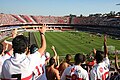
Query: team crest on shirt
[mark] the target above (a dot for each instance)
(73, 69)
(101, 69)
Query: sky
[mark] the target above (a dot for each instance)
(58, 7)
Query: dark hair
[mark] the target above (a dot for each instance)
(79, 58)
(33, 48)
(68, 57)
(1, 48)
(51, 61)
(20, 43)
(99, 56)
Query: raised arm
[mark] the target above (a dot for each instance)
(55, 56)
(105, 46)
(14, 33)
(7, 44)
(116, 62)
(43, 40)
(55, 53)
(94, 51)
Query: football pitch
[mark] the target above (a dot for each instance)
(75, 42)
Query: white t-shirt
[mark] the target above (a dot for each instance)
(20, 66)
(43, 76)
(75, 72)
(2, 59)
(39, 72)
(101, 70)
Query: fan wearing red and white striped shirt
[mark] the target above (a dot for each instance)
(76, 72)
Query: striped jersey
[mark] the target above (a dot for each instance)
(75, 72)
(20, 66)
(100, 71)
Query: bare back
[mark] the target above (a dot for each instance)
(52, 73)
(62, 67)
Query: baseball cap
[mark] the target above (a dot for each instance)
(47, 55)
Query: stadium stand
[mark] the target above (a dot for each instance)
(11, 19)
(19, 18)
(8, 19)
(102, 24)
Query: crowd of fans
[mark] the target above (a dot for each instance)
(102, 21)
(11, 19)
(7, 19)
(29, 62)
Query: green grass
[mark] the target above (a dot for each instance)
(74, 42)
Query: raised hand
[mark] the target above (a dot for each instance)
(105, 46)
(53, 48)
(116, 61)
(116, 52)
(14, 33)
(43, 29)
(105, 38)
(94, 51)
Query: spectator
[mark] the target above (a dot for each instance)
(51, 72)
(90, 60)
(19, 65)
(76, 72)
(3, 56)
(116, 62)
(65, 64)
(8, 44)
(56, 57)
(84, 65)
(101, 69)
(39, 72)
(116, 75)
(5, 52)
(14, 33)
(45, 61)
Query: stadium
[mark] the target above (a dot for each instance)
(70, 35)
(93, 25)
(60, 40)
(71, 25)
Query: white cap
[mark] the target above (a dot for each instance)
(47, 55)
